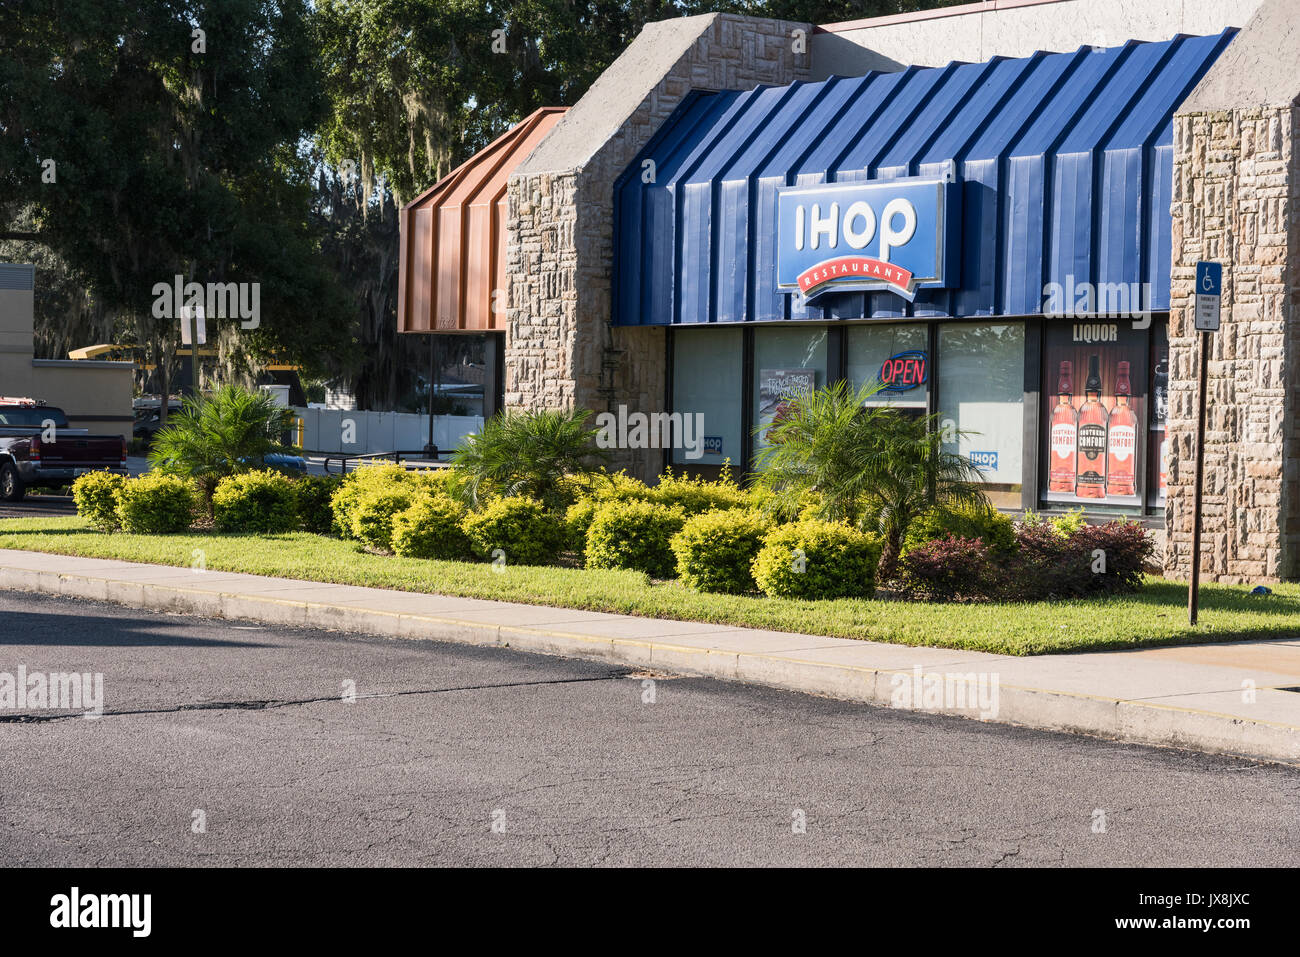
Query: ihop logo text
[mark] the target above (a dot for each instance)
(891, 235)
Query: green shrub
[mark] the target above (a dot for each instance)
(96, 496)
(577, 521)
(818, 560)
(524, 531)
(635, 535)
(695, 496)
(314, 495)
(1069, 523)
(373, 513)
(431, 528)
(357, 485)
(155, 504)
(990, 526)
(260, 502)
(716, 551)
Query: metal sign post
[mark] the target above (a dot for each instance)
(1208, 299)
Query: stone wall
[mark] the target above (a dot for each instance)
(561, 350)
(1236, 187)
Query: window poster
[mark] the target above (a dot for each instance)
(1095, 387)
(1158, 443)
(777, 388)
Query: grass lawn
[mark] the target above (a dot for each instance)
(1156, 615)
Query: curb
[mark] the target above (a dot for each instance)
(1135, 722)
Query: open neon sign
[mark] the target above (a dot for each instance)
(905, 371)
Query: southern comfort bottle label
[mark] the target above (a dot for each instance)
(1064, 433)
(1091, 478)
(1121, 438)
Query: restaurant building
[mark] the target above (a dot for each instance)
(992, 211)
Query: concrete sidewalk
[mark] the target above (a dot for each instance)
(1229, 697)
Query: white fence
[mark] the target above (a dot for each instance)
(357, 433)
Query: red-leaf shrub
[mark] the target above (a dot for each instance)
(1092, 560)
(952, 569)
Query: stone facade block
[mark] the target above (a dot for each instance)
(1237, 200)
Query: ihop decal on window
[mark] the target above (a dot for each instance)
(893, 235)
(905, 371)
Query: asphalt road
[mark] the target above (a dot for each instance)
(568, 759)
(38, 506)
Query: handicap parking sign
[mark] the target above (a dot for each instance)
(1208, 296)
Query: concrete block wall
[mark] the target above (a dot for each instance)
(560, 348)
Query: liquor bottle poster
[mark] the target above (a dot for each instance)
(1095, 382)
(776, 388)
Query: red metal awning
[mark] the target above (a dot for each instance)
(453, 245)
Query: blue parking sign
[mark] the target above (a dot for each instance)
(1209, 278)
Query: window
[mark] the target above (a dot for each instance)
(787, 361)
(1095, 425)
(980, 386)
(708, 368)
(869, 347)
(18, 416)
(1158, 449)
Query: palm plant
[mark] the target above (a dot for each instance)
(911, 474)
(526, 453)
(870, 466)
(224, 433)
(821, 446)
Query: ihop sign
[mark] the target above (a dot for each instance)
(892, 235)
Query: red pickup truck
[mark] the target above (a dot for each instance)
(39, 450)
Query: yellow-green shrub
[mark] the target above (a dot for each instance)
(155, 504)
(695, 496)
(971, 521)
(358, 484)
(96, 496)
(372, 514)
(715, 550)
(261, 502)
(817, 560)
(431, 528)
(635, 535)
(523, 529)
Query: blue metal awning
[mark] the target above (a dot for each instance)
(1064, 162)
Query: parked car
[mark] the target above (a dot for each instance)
(282, 462)
(38, 449)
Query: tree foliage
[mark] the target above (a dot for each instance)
(173, 153)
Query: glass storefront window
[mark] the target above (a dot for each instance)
(786, 361)
(1095, 424)
(1158, 448)
(869, 347)
(708, 369)
(980, 386)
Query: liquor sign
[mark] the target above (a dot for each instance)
(905, 371)
(893, 235)
(1209, 295)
